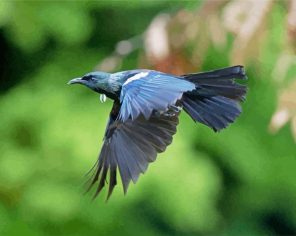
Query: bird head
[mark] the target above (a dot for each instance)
(97, 81)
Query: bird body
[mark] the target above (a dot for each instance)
(145, 114)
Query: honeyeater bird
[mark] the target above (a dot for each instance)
(145, 113)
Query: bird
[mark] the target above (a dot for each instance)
(145, 115)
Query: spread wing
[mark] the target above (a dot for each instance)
(146, 91)
(130, 146)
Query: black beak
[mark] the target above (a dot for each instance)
(76, 81)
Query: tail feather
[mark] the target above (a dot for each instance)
(233, 72)
(215, 101)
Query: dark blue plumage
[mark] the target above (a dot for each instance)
(145, 114)
(150, 90)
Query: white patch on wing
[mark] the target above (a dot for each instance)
(136, 77)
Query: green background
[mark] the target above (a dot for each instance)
(240, 181)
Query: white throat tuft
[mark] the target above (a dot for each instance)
(103, 98)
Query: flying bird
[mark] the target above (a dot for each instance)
(145, 113)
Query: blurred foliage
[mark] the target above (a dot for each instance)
(237, 182)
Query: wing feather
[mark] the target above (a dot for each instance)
(130, 146)
(145, 92)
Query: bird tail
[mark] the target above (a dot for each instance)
(215, 101)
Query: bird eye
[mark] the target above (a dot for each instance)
(87, 77)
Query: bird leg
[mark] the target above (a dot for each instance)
(175, 108)
(172, 110)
